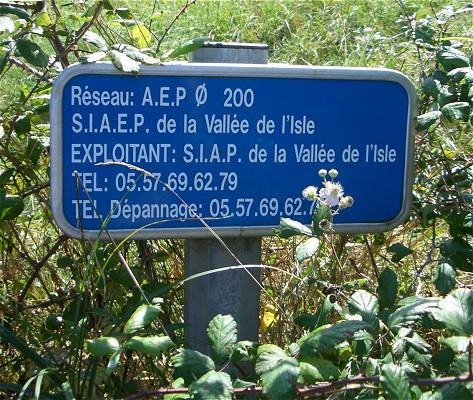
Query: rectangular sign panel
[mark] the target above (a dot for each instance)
(236, 143)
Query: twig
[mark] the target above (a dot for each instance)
(174, 20)
(314, 389)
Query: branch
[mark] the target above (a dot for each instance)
(174, 20)
(313, 389)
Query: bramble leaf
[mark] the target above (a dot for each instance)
(307, 249)
(149, 345)
(445, 277)
(143, 316)
(278, 372)
(387, 288)
(222, 334)
(103, 345)
(212, 385)
(191, 364)
(395, 382)
(456, 311)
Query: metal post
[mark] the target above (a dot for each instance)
(229, 292)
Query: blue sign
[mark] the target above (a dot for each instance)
(234, 145)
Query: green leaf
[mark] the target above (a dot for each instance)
(124, 63)
(431, 86)
(177, 383)
(457, 74)
(143, 316)
(191, 364)
(19, 12)
(33, 151)
(32, 53)
(141, 35)
(425, 121)
(22, 125)
(321, 214)
(452, 391)
(320, 317)
(278, 372)
(400, 251)
(364, 303)
(323, 340)
(4, 60)
(412, 312)
(387, 288)
(395, 382)
(10, 206)
(456, 311)
(142, 57)
(113, 362)
(289, 227)
(451, 58)
(459, 344)
(212, 385)
(96, 40)
(103, 345)
(459, 110)
(149, 345)
(313, 369)
(222, 334)
(187, 47)
(307, 249)
(460, 252)
(445, 277)
(43, 19)
(124, 12)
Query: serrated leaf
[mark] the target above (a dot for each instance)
(222, 334)
(212, 385)
(459, 252)
(142, 57)
(113, 363)
(124, 63)
(457, 111)
(364, 303)
(387, 288)
(187, 47)
(289, 227)
(395, 382)
(143, 316)
(445, 277)
(451, 58)
(10, 206)
(307, 249)
(452, 391)
(149, 345)
(406, 315)
(458, 74)
(141, 35)
(278, 372)
(191, 364)
(425, 121)
(96, 40)
(323, 340)
(32, 53)
(459, 344)
(456, 311)
(103, 346)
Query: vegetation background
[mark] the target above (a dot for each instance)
(369, 316)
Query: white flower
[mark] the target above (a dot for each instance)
(333, 173)
(6, 24)
(322, 173)
(331, 193)
(310, 193)
(346, 202)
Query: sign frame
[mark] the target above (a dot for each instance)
(184, 69)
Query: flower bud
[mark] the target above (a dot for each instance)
(333, 173)
(322, 173)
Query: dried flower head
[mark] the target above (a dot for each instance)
(345, 202)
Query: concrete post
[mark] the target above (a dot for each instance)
(229, 292)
